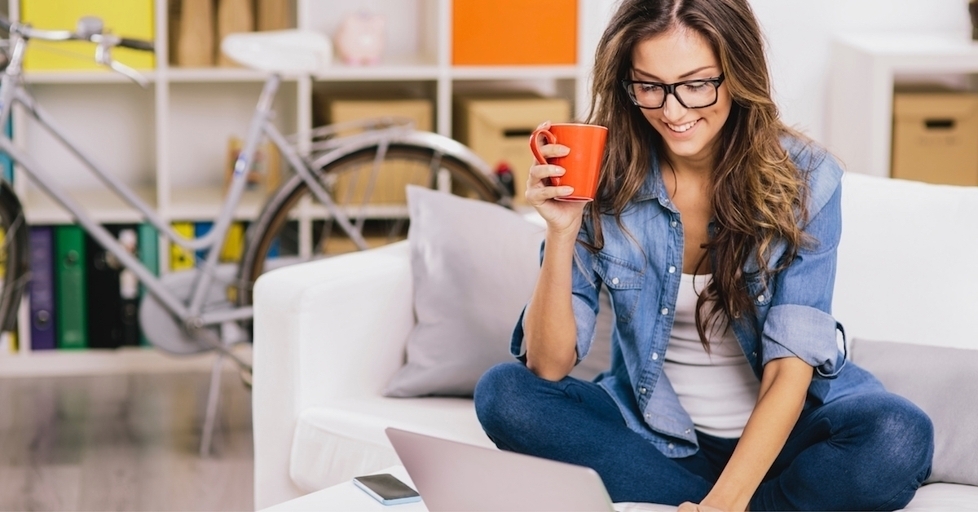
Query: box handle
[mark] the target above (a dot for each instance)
(518, 132)
(939, 124)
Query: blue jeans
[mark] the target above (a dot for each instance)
(863, 452)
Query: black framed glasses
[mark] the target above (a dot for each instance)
(699, 93)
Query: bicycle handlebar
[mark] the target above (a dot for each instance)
(137, 44)
(67, 35)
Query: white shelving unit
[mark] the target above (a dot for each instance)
(864, 69)
(169, 141)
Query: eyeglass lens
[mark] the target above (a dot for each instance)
(692, 94)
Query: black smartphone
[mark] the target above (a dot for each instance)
(386, 488)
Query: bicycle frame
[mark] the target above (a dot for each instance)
(12, 92)
(379, 133)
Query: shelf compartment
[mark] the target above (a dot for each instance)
(102, 204)
(205, 203)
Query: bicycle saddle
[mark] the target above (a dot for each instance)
(280, 51)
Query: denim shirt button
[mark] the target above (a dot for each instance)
(672, 269)
(665, 311)
(648, 415)
(614, 280)
(760, 298)
(672, 446)
(655, 356)
(687, 431)
(753, 354)
(643, 390)
(673, 223)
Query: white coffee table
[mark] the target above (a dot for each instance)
(347, 497)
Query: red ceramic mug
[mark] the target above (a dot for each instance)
(582, 164)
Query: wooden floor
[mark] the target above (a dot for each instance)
(123, 442)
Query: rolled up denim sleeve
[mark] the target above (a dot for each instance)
(584, 301)
(799, 322)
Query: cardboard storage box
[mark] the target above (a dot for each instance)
(129, 18)
(514, 32)
(498, 129)
(393, 178)
(935, 137)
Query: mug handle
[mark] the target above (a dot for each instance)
(535, 148)
(535, 143)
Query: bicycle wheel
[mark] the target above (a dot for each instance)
(372, 196)
(13, 256)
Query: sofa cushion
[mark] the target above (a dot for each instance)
(344, 438)
(474, 266)
(942, 382)
(932, 497)
(906, 257)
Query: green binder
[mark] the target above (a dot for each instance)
(149, 253)
(71, 306)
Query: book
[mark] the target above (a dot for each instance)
(148, 247)
(7, 163)
(42, 288)
(201, 229)
(233, 247)
(273, 14)
(8, 340)
(112, 292)
(70, 304)
(182, 258)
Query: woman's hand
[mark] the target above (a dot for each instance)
(562, 217)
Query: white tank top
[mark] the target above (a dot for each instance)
(718, 389)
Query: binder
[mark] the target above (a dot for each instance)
(8, 339)
(201, 229)
(70, 305)
(42, 288)
(8, 342)
(233, 247)
(112, 292)
(148, 247)
(180, 257)
(6, 163)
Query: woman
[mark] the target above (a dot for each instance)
(715, 230)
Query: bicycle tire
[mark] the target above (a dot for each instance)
(466, 180)
(14, 254)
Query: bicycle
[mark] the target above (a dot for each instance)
(209, 308)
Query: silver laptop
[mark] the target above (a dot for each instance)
(455, 476)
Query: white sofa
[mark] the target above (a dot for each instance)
(330, 334)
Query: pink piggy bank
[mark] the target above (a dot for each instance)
(360, 38)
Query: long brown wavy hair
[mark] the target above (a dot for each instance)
(758, 195)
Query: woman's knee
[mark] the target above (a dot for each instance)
(898, 448)
(500, 392)
(909, 434)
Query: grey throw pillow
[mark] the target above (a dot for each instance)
(942, 382)
(474, 267)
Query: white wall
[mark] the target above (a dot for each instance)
(799, 33)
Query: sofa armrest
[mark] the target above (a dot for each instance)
(330, 328)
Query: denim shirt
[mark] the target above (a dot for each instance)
(642, 265)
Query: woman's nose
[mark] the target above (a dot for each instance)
(673, 110)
